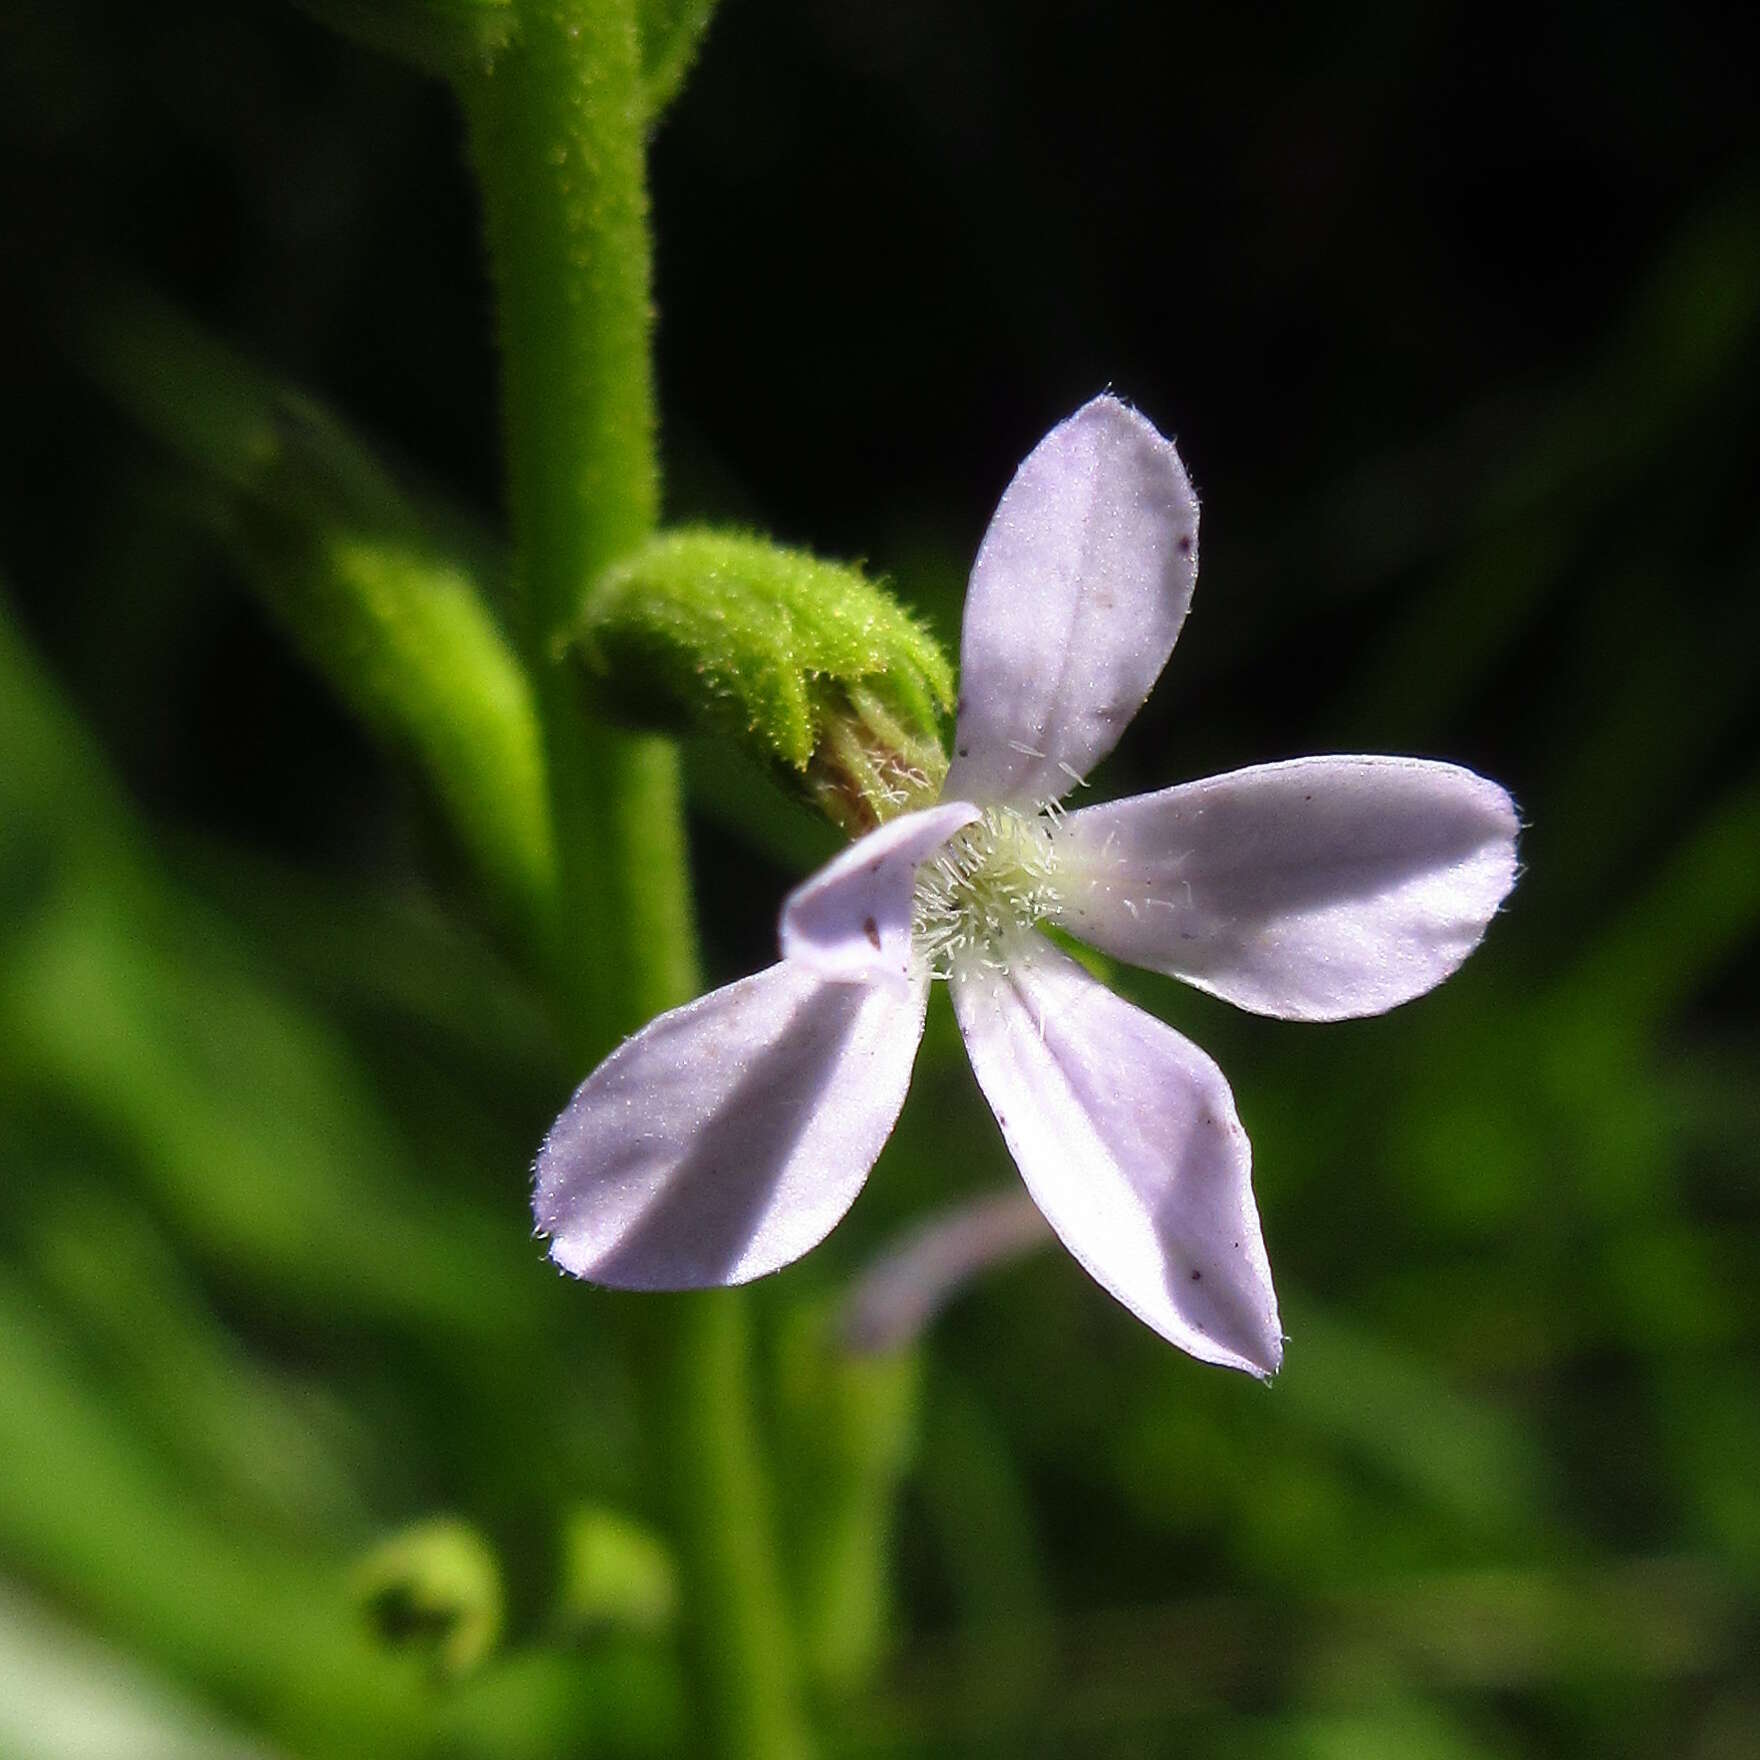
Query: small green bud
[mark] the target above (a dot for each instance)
(439, 36)
(436, 1587)
(615, 1573)
(810, 666)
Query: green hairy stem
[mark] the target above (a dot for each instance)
(558, 125)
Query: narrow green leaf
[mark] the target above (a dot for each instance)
(383, 604)
(242, 1115)
(93, 1516)
(849, 1425)
(241, 1433)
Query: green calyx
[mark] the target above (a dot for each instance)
(808, 665)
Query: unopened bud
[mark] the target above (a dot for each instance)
(616, 1574)
(818, 672)
(434, 1587)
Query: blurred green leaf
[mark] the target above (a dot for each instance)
(623, 1699)
(990, 1552)
(86, 1511)
(446, 37)
(394, 958)
(246, 1435)
(1461, 1456)
(64, 1697)
(380, 600)
(848, 1427)
(243, 1116)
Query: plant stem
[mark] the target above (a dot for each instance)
(737, 1626)
(558, 135)
(557, 130)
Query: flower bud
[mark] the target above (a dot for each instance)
(811, 667)
(616, 1575)
(434, 1586)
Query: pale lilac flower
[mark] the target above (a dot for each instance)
(732, 1134)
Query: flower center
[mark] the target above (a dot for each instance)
(986, 885)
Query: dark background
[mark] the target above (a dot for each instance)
(1455, 313)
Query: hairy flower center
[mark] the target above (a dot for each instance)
(986, 885)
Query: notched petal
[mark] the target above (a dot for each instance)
(1127, 1138)
(729, 1136)
(852, 920)
(1078, 592)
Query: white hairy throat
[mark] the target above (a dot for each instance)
(985, 888)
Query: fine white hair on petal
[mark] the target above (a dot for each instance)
(1315, 889)
(1079, 590)
(903, 1290)
(729, 1136)
(1127, 1138)
(852, 920)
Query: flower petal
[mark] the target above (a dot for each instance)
(729, 1136)
(1313, 890)
(853, 918)
(1127, 1138)
(1079, 590)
